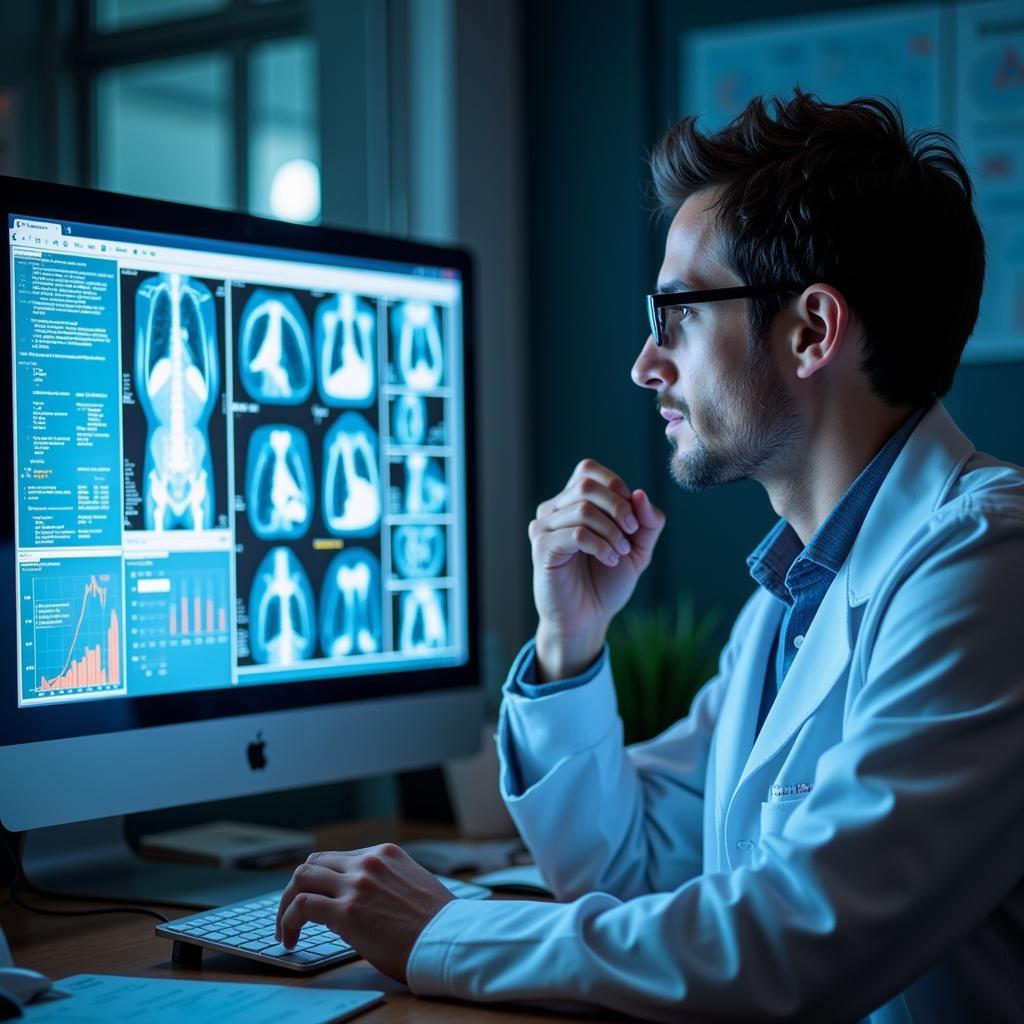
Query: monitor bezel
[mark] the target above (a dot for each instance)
(50, 201)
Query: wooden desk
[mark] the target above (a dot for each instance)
(108, 944)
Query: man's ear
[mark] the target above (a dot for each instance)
(821, 317)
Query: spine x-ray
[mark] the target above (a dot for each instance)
(177, 381)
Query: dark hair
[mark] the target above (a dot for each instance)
(812, 191)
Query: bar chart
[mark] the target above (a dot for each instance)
(178, 620)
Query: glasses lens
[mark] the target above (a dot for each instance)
(655, 322)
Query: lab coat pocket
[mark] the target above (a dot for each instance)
(776, 813)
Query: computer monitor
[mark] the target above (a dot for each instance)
(238, 523)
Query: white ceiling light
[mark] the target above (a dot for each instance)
(295, 191)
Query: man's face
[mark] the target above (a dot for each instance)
(728, 415)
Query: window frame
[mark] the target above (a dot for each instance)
(237, 28)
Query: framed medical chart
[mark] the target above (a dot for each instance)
(958, 67)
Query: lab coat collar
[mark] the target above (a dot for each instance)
(917, 484)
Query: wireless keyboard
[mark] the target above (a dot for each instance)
(247, 929)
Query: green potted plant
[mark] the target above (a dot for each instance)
(660, 659)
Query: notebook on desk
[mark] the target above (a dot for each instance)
(100, 998)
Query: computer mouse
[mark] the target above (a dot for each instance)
(24, 984)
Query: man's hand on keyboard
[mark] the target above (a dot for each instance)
(378, 900)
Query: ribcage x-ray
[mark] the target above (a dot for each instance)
(346, 347)
(418, 345)
(274, 356)
(279, 487)
(418, 551)
(351, 485)
(282, 611)
(422, 619)
(177, 380)
(424, 489)
(350, 605)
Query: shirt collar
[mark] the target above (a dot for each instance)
(780, 563)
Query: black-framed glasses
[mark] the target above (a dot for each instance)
(659, 303)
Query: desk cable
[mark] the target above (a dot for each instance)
(14, 898)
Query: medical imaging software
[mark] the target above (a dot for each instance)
(235, 465)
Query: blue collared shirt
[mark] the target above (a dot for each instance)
(798, 576)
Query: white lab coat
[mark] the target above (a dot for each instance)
(864, 856)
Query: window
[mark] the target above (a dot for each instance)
(204, 101)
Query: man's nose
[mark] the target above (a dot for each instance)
(653, 368)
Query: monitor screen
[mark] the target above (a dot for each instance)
(239, 460)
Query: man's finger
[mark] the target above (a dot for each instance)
(308, 878)
(593, 469)
(594, 518)
(308, 907)
(557, 547)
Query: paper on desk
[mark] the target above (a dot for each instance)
(107, 999)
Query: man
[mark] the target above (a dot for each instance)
(836, 830)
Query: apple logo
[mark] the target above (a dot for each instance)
(256, 752)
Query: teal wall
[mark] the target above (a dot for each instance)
(602, 87)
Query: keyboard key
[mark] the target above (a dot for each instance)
(330, 948)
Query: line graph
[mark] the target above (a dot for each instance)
(76, 632)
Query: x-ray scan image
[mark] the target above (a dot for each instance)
(409, 420)
(279, 488)
(351, 485)
(346, 343)
(350, 605)
(274, 356)
(177, 380)
(418, 420)
(282, 611)
(419, 483)
(417, 345)
(418, 551)
(422, 619)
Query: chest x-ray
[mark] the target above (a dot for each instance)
(422, 619)
(274, 358)
(425, 489)
(419, 349)
(279, 489)
(345, 339)
(177, 381)
(282, 610)
(350, 605)
(351, 486)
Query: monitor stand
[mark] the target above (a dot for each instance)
(93, 859)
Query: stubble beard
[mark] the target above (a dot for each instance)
(757, 421)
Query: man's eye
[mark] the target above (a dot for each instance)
(674, 317)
